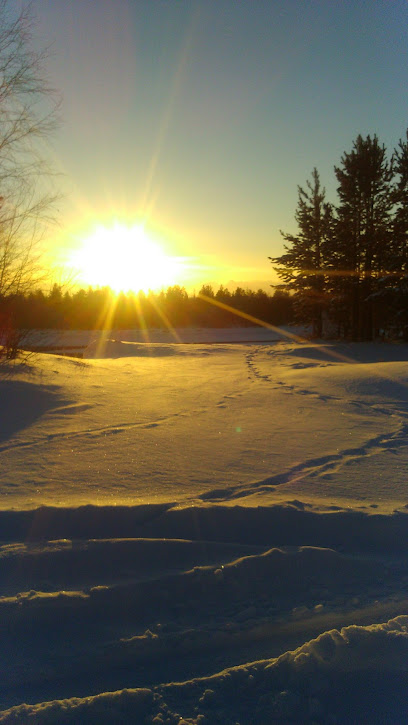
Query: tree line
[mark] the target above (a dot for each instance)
(347, 266)
(100, 308)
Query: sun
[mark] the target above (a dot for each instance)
(125, 258)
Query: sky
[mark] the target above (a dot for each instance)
(200, 118)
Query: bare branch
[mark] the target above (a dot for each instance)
(28, 113)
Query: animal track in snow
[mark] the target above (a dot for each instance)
(223, 403)
(321, 466)
(108, 430)
(255, 373)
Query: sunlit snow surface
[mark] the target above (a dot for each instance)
(170, 510)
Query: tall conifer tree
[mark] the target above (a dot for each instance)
(400, 198)
(302, 266)
(395, 287)
(363, 246)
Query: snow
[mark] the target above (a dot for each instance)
(207, 531)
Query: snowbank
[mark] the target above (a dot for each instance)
(205, 532)
(337, 677)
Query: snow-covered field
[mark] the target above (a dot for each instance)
(208, 531)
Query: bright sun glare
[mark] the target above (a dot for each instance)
(125, 258)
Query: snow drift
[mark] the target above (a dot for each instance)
(205, 533)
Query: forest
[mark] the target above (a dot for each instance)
(347, 265)
(101, 308)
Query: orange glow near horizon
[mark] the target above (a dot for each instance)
(125, 258)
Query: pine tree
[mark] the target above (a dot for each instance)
(302, 266)
(400, 199)
(363, 247)
(394, 295)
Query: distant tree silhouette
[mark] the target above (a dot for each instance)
(223, 294)
(175, 308)
(207, 291)
(101, 308)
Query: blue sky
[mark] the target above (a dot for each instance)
(202, 117)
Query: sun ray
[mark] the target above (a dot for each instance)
(175, 87)
(140, 316)
(166, 321)
(290, 336)
(104, 324)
